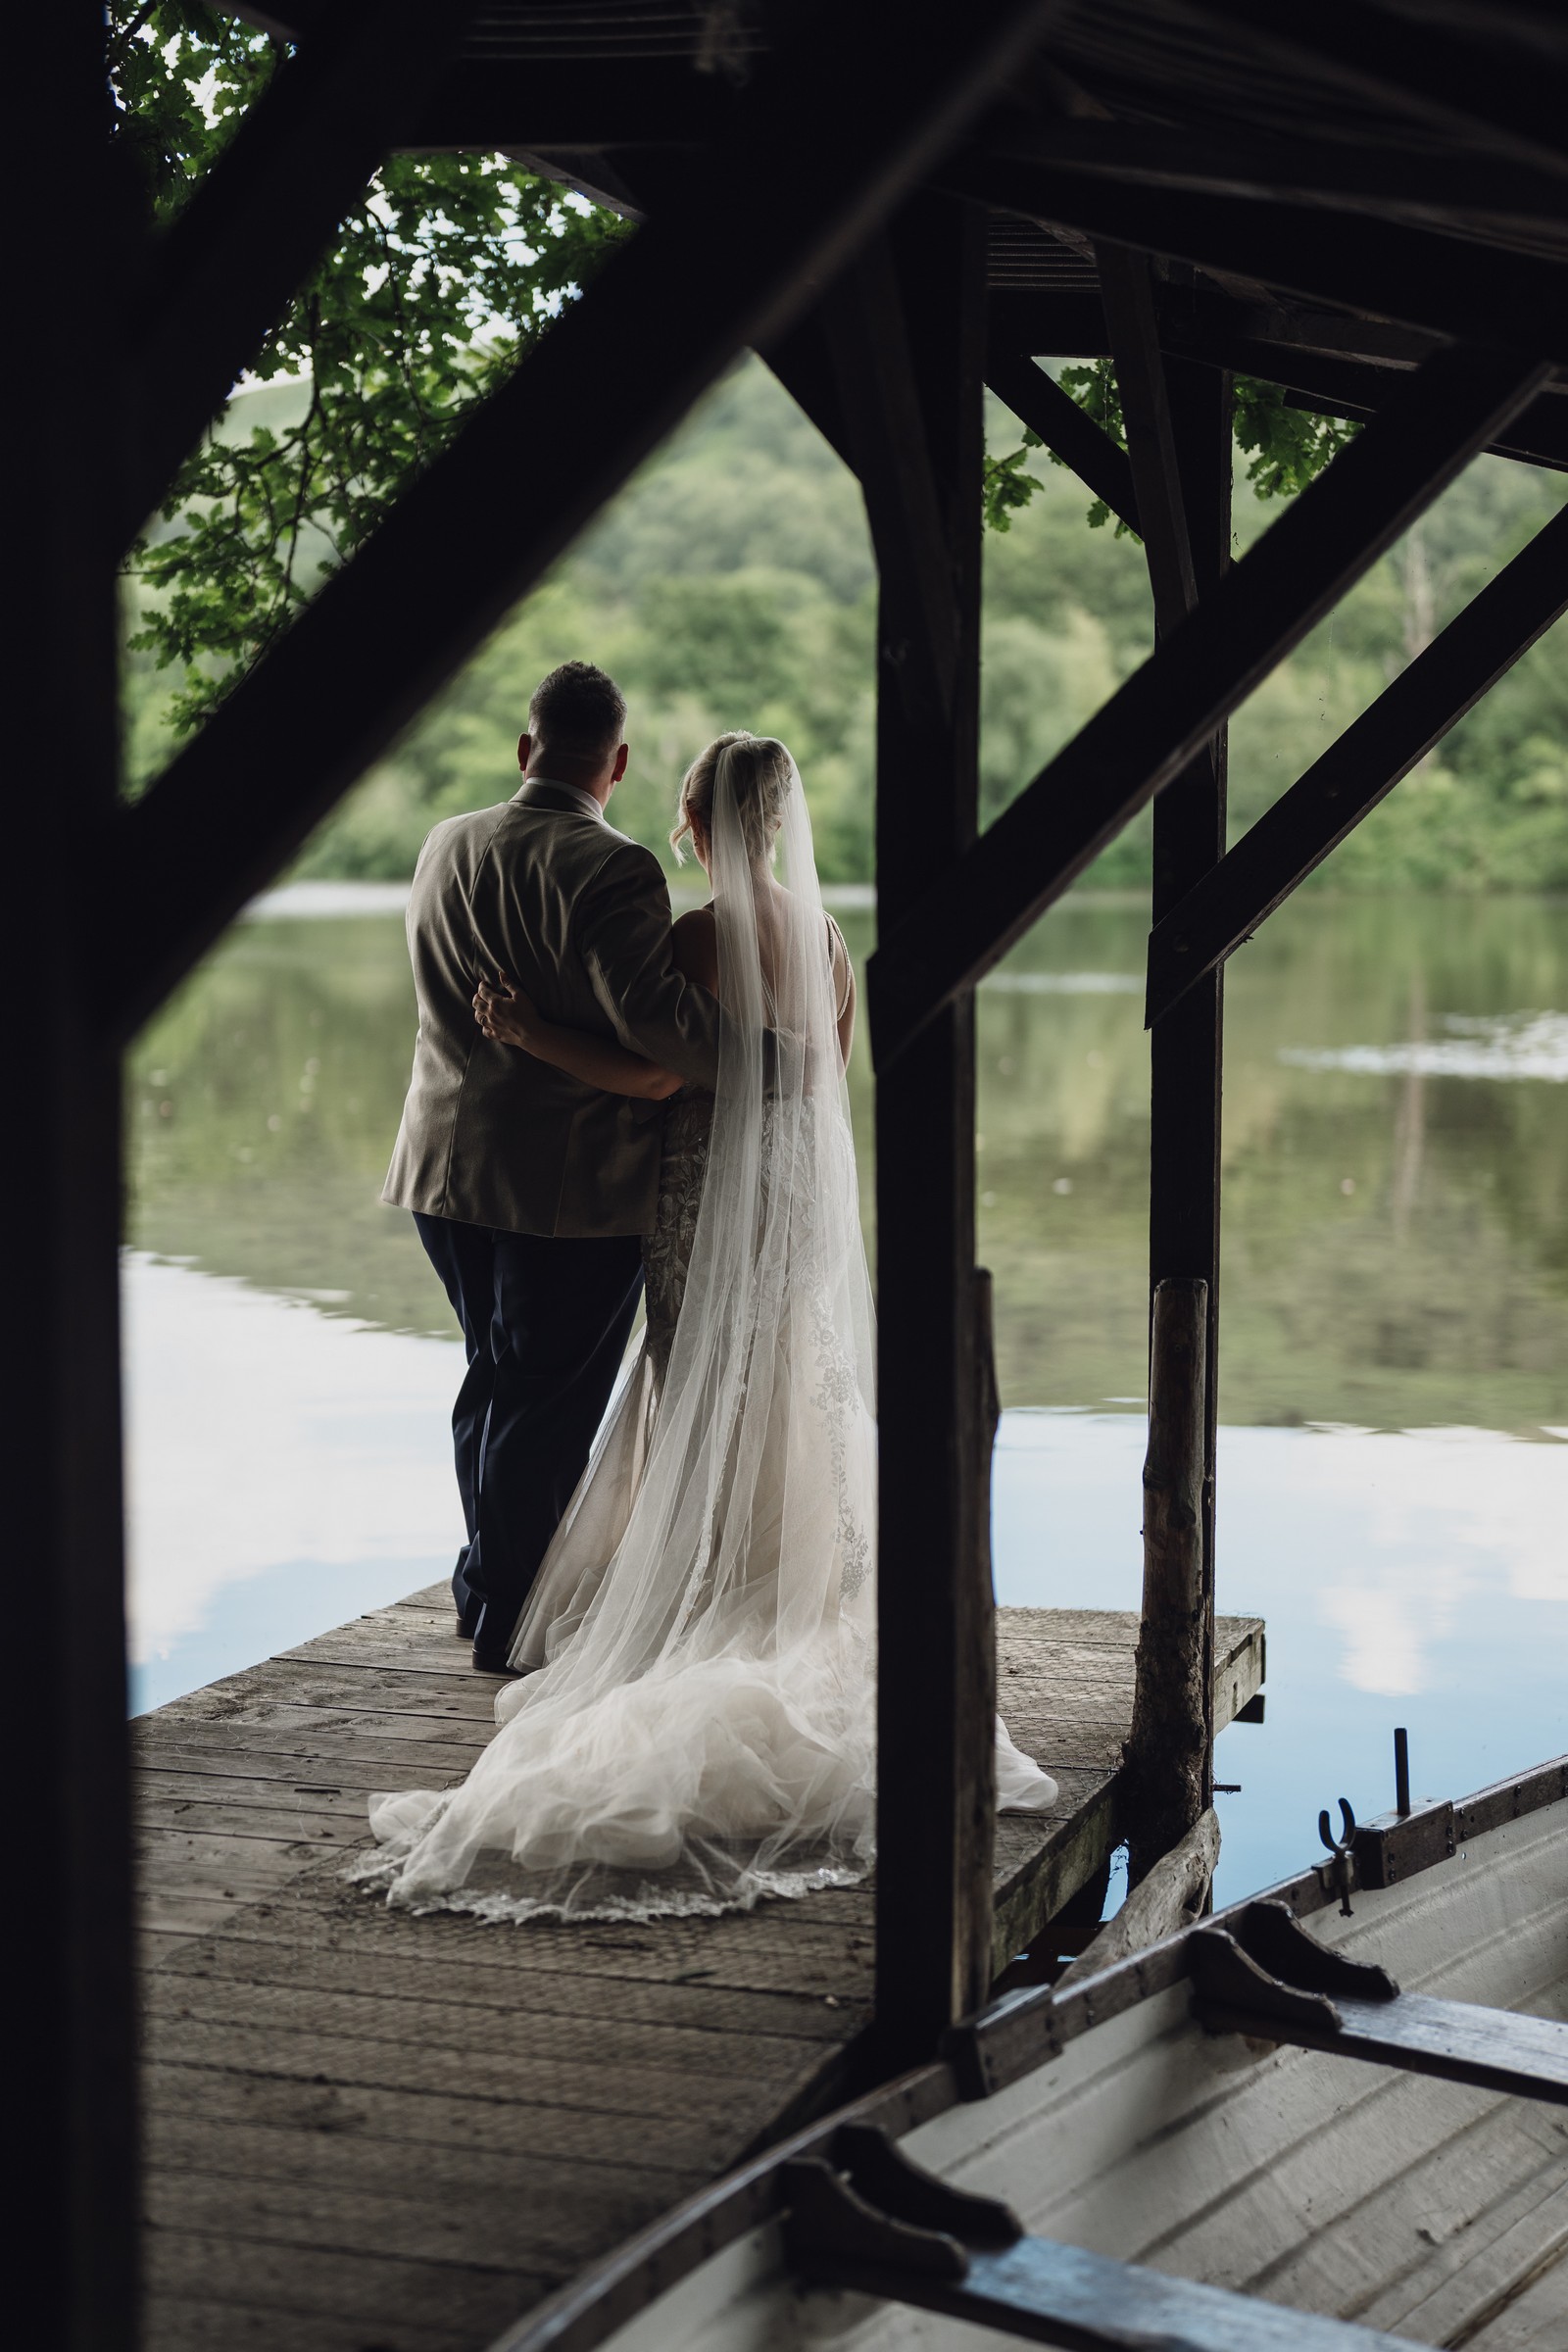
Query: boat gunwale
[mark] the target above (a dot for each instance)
(1011, 2038)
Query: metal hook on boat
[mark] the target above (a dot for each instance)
(1342, 1849)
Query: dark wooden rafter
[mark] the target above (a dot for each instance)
(1053, 327)
(581, 106)
(917, 432)
(1446, 75)
(1359, 771)
(295, 168)
(1448, 286)
(1144, 735)
(1066, 430)
(535, 461)
(1538, 438)
(1317, 357)
(1328, 385)
(1370, 180)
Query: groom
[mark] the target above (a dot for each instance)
(531, 1192)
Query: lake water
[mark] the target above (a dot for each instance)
(1394, 1388)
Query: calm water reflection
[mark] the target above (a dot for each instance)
(1396, 1260)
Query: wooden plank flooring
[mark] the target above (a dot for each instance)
(371, 2133)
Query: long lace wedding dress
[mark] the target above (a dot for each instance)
(698, 1725)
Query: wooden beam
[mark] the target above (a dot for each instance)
(1066, 430)
(936, 1769)
(890, 435)
(216, 280)
(1126, 289)
(1330, 385)
(1418, 277)
(1171, 1895)
(1447, 189)
(802, 361)
(1047, 326)
(73, 2201)
(536, 461)
(1507, 87)
(1224, 907)
(581, 104)
(1538, 438)
(1339, 527)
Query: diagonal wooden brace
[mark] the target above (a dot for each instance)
(1144, 735)
(1360, 769)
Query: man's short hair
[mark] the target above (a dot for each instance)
(577, 709)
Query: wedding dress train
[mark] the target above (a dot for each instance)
(695, 1725)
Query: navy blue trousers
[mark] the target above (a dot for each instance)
(544, 1323)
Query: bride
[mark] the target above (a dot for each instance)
(694, 1727)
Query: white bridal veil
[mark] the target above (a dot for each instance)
(699, 1725)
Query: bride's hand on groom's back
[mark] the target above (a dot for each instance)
(505, 1012)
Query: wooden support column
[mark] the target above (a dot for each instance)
(1179, 447)
(71, 2202)
(912, 405)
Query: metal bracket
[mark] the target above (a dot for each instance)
(1395, 1846)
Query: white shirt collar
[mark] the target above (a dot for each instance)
(582, 801)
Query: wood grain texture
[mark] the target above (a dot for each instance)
(365, 2128)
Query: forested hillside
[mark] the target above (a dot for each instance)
(731, 585)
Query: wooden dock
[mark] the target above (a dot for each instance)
(371, 2133)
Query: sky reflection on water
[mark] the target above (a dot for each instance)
(1393, 1476)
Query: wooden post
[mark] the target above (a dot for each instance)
(920, 444)
(70, 2081)
(1185, 1081)
(1169, 1751)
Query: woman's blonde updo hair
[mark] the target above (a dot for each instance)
(762, 777)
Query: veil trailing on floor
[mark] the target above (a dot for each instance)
(697, 1727)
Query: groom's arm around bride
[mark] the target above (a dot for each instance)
(531, 1192)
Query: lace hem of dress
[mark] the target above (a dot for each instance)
(646, 1901)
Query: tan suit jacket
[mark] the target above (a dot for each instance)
(546, 889)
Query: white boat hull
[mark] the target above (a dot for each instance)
(1391, 2199)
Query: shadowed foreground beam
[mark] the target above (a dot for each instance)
(536, 461)
(1360, 769)
(1265, 605)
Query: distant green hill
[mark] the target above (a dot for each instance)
(731, 584)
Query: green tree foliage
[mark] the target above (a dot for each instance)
(449, 268)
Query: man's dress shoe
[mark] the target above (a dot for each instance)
(490, 1657)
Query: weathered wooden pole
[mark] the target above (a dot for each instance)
(72, 2204)
(909, 333)
(1179, 445)
(1185, 1051)
(1168, 1756)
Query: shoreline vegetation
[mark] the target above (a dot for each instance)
(732, 583)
